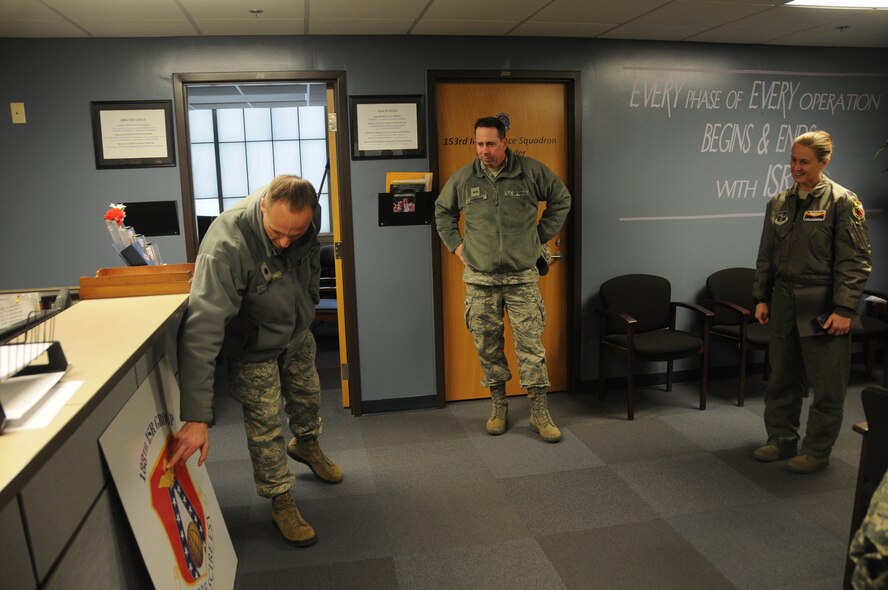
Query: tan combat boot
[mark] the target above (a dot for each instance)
(540, 419)
(499, 411)
(290, 523)
(306, 450)
(805, 464)
(772, 451)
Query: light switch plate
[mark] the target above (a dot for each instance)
(18, 113)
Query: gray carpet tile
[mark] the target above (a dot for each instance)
(719, 428)
(439, 496)
(508, 565)
(688, 484)
(831, 510)
(781, 483)
(763, 545)
(521, 452)
(646, 437)
(350, 528)
(367, 574)
(408, 428)
(574, 500)
(630, 556)
(233, 482)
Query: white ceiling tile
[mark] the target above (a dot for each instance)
(82, 10)
(544, 29)
(698, 14)
(463, 27)
(338, 26)
(235, 9)
(57, 27)
(584, 11)
(490, 10)
(365, 9)
(138, 28)
(251, 26)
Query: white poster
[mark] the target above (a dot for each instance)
(173, 513)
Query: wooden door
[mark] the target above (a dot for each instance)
(538, 116)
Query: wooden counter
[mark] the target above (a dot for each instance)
(57, 473)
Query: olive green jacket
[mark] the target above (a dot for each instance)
(501, 231)
(820, 241)
(247, 299)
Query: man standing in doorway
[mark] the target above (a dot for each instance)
(504, 253)
(252, 297)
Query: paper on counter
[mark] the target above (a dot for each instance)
(43, 413)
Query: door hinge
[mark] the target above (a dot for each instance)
(337, 250)
(343, 371)
(331, 122)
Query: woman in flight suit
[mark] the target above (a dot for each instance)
(814, 236)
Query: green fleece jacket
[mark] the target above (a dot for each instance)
(501, 231)
(247, 298)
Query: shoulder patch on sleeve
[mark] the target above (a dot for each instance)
(857, 209)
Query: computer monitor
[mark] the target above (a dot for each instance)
(153, 218)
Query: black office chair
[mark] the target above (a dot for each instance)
(327, 309)
(870, 331)
(637, 323)
(873, 457)
(730, 297)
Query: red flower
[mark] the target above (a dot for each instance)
(116, 214)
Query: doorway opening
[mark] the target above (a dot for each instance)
(236, 131)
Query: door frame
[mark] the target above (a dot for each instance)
(572, 226)
(345, 248)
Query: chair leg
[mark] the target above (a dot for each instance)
(704, 379)
(885, 364)
(668, 375)
(601, 371)
(741, 369)
(630, 387)
(869, 349)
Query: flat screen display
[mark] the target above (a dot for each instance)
(153, 218)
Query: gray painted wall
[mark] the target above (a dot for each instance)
(640, 159)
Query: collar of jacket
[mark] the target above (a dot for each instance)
(253, 214)
(819, 189)
(511, 167)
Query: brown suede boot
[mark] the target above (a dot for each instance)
(290, 523)
(305, 449)
(499, 411)
(805, 464)
(772, 451)
(540, 419)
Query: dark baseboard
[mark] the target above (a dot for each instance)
(422, 402)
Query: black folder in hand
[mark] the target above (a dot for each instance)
(813, 307)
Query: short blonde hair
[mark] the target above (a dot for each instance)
(295, 190)
(819, 141)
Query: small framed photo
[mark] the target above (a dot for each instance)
(387, 127)
(133, 134)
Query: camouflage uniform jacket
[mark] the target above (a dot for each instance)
(826, 243)
(869, 547)
(501, 233)
(247, 298)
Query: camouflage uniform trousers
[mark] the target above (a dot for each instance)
(527, 313)
(258, 386)
(869, 547)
